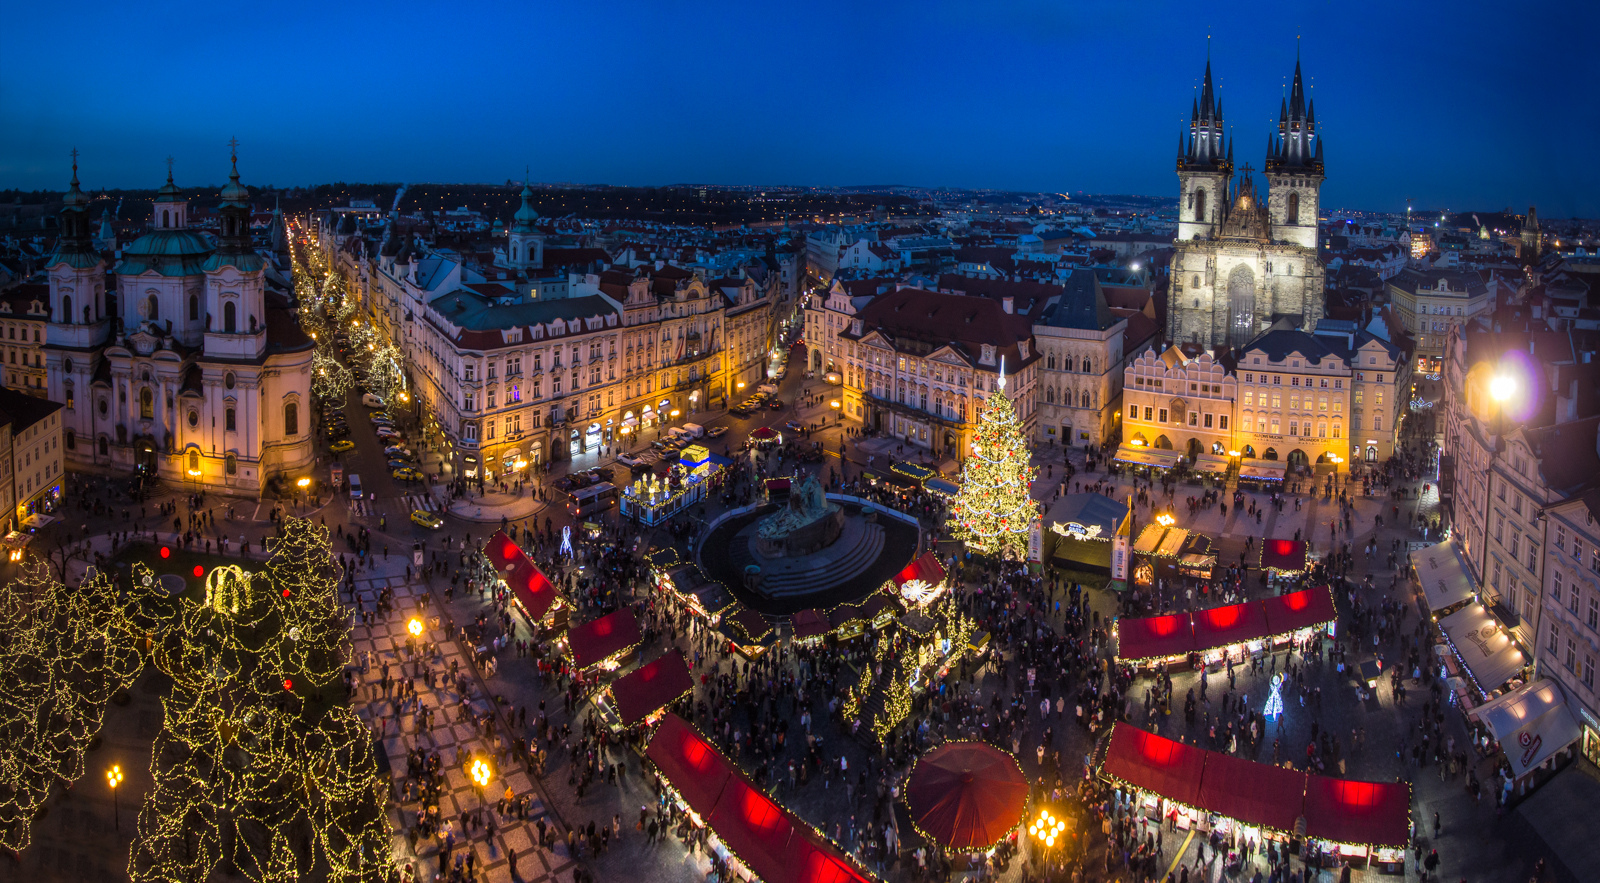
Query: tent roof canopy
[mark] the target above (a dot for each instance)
(600, 639)
(967, 795)
(643, 691)
(1445, 581)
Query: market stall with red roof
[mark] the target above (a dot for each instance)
(1154, 637)
(1306, 609)
(966, 796)
(1258, 794)
(770, 842)
(1348, 811)
(921, 581)
(651, 687)
(530, 589)
(1229, 625)
(810, 625)
(1284, 556)
(603, 640)
(1145, 760)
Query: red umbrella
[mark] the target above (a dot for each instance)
(967, 795)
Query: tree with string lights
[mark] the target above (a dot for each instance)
(994, 511)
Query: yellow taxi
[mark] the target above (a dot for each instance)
(426, 519)
(341, 446)
(406, 473)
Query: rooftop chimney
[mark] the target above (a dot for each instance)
(1006, 304)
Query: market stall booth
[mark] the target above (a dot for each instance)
(1209, 469)
(921, 582)
(1234, 631)
(652, 499)
(1079, 529)
(1533, 724)
(1334, 819)
(1285, 557)
(811, 626)
(755, 835)
(966, 796)
(748, 631)
(690, 587)
(854, 619)
(641, 695)
(1261, 474)
(531, 591)
(603, 643)
(1146, 460)
(765, 436)
(1446, 583)
(942, 486)
(1483, 647)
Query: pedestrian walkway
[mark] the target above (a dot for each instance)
(494, 506)
(450, 733)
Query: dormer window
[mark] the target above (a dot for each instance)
(987, 357)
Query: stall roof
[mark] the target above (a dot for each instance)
(752, 624)
(1299, 610)
(1348, 811)
(1539, 710)
(763, 433)
(810, 623)
(600, 639)
(1149, 539)
(1483, 645)
(1160, 458)
(689, 762)
(1086, 516)
(913, 471)
(1233, 624)
(532, 589)
(648, 688)
(1145, 760)
(808, 862)
(753, 827)
(942, 486)
(1151, 637)
(1172, 542)
(1445, 581)
(713, 597)
(1263, 470)
(1288, 556)
(1254, 793)
(1212, 463)
(926, 568)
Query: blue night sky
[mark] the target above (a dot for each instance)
(1465, 105)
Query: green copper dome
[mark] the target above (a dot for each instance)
(167, 252)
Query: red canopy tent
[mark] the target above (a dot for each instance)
(643, 691)
(600, 639)
(1150, 637)
(528, 584)
(1299, 610)
(1254, 793)
(1233, 624)
(967, 795)
(1288, 556)
(926, 568)
(689, 762)
(764, 433)
(1145, 760)
(808, 862)
(753, 827)
(1348, 811)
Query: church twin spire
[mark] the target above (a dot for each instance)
(1295, 147)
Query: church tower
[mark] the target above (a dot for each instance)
(235, 318)
(77, 276)
(526, 248)
(1294, 169)
(1528, 248)
(1205, 167)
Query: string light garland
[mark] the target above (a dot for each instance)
(993, 511)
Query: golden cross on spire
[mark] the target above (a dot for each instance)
(233, 145)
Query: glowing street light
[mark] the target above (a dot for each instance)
(303, 483)
(1501, 387)
(1047, 828)
(114, 778)
(1165, 520)
(414, 627)
(481, 773)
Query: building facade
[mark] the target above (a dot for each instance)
(1433, 303)
(1081, 371)
(1244, 260)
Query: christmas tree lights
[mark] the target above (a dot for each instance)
(993, 511)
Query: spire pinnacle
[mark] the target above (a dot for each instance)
(233, 151)
(1001, 381)
(74, 166)
(169, 168)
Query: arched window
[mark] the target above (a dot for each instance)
(66, 308)
(194, 459)
(154, 307)
(194, 307)
(229, 318)
(147, 403)
(70, 440)
(68, 391)
(291, 419)
(166, 218)
(1086, 398)
(105, 445)
(229, 421)
(1291, 209)
(230, 464)
(1200, 204)
(1086, 366)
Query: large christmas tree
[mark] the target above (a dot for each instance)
(993, 511)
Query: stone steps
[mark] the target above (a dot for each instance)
(779, 581)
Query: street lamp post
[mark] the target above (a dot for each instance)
(481, 772)
(114, 778)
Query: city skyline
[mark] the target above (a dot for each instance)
(1020, 97)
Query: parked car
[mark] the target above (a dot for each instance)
(694, 430)
(338, 432)
(628, 459)
(775, 404)
(371, 401)
(389, 434)
(355, 486)
(426, 519)
(400, 464)
(397, 451)
(793, 425)
(341, 446)
(716, 432)
(406, 473)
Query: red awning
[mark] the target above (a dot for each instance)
(1285, 555)
(926, 568)
(1145, 760)
(810, 623)
(763, 433)
(752, 624)
(1348, 811)
(643, 691)
(967, 795)
(528, 584)
(600, 639)
(1254, 793)
(1233, 624)
(1150, 637)
(1299, 610)
(808, 862)
(689, 763)
(753, 827)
